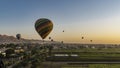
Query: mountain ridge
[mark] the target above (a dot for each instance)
(5, 39)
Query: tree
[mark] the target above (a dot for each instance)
(9, 52)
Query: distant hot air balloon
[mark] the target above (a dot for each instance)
(49, 37)
(61, 41)
(43, 26)
(82, 37)
(52, 40)
(90, 40)
(63, 31)
(18, 36)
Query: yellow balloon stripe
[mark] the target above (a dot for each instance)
(43, 27)
(39, 22)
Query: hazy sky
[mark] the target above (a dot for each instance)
(98, 20)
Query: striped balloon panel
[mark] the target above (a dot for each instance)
(45, 32)
(41, 21)
(43, 27)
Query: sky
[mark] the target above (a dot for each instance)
(97, 20)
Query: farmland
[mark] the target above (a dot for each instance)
(84, 55)
(48, 56)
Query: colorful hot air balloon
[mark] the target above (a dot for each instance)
(18, 36)
(43, 26)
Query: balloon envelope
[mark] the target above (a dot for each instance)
(82, 37)
(18, 36)
(52, 40)
(49, 37)
(90, 40)
(43, 26)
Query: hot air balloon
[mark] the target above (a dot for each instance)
(49, 37)
(43, 26)
(18, 36)
(82, 37)
(63, 31)
(52, 40)
(61, 41)
(90, 40)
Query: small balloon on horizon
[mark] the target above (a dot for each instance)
(52, 40)
(18, 36)
(82, 37)
(49, 37)
(91, 40)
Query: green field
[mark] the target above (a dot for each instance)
(88, 50)
(93, 66)
(42, 58)
(87, 54)
(60, 65)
